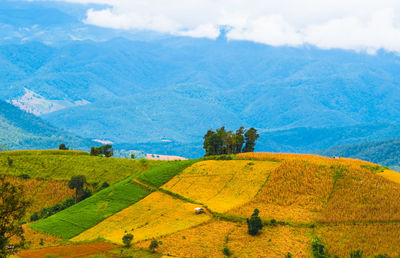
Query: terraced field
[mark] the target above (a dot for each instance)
(222, 185)
(87, 213)
(156, 215)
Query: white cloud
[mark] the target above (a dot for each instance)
(349, 24)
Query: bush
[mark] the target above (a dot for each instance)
(10, 161)
(254, 224)
(356, 254)
(288, 255)
(226, 251)
(24, 176)
(153, 245)
(35, 216)
(382, 256)
(127, 240)
(318, 249)
(273, 222)
(62, 147)
(105, 185)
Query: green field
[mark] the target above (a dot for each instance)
(162, 174)
(89, 212)
(61, 165)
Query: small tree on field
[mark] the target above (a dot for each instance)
(77, 183)
(153, 245)
(226, 251)
(127, 240)
(12, 210)
(254, 223)
(62, 147)
(9, 161)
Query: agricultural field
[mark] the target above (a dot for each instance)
(222, 185)
(156, 215)
(62, 165)
(79, 250)
(209, 239)
(163, 173)
(372, 239)
(87, 213)
(41, 193)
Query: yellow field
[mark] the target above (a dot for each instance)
(42, 193)
(209, 239)
(363, 196)
(371, 239)
(156, 215)
(296, 191)
(391, 175)
(222, 185)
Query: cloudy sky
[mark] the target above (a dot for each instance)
(362, 25)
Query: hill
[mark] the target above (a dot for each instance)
(386, 152)
(304, 201)
(21, 130)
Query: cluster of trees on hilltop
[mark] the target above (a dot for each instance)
(229, 142)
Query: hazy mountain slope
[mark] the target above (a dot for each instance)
(20, 130)
(386, 152)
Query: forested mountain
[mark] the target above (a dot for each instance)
(141, 89)
(386, 152)
(20, 130)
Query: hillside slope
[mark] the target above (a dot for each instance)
(21, 130)
(386, 152)
(301, 198)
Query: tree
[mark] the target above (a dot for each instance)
(254, 223)
(10, 161)
(77, 183)
(250, 136)
(62, 147)
(12, 209)
(127, 240)
(105, 150)
(153, 245)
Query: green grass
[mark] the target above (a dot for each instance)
(87, 213)
(160, 175)
(62, 165)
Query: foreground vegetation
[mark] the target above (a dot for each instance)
(296, 206)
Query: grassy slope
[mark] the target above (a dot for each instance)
(91, 211)
(61, 165)
(162, 174)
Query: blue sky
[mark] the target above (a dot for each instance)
(361, 25)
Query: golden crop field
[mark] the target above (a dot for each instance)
(156, 215)
(391, 175)
(372, 239)
(361, 195)
(222, 185)
(42, 193)
(296, 191)
(208, 240)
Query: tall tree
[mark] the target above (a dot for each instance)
(77, 183)
(250, 136)
(12, 210)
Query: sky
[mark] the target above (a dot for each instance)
(361, 25)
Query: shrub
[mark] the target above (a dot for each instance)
(356, 254)
(153, 245)
(127, 240)
(382, 256)
(288, 255)
(273, 222)
(318, 249)
(62, 147)
(254, 224)
(105, 185)
(35, 216)
(24, 176)
(10, 161)
(226, 251)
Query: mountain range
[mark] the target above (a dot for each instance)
(154, 91)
